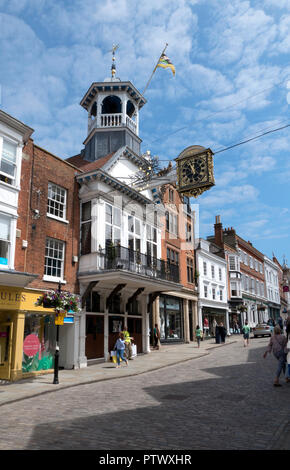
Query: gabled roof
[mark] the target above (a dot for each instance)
(85, 166)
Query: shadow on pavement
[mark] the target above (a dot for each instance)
(235, 407)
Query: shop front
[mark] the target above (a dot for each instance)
(27, 334)
(210, 318)
(171, 319)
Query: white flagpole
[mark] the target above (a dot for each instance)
(153, 71)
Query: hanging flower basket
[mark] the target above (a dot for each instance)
(261, 308)
(60, 301)
(242, 308)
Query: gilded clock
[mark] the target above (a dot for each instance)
(195, 171)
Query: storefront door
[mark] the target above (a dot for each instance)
(94, 336)
(6, 334)
(135, 330)
(116, 326)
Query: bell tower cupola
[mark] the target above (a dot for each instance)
(113, 116)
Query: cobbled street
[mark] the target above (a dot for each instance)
(225, 400)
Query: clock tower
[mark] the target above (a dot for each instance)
(113, 116)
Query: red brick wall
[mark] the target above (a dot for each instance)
(38, 168)
(177, 244)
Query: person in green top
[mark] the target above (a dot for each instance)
(246, 330)
(198, 334)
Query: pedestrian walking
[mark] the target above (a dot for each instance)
(198, 334)
(217, 335)
(236, 327)
(246, 333)
(120, 349)
(223, 332)
(288, 361)
(214, 325)
(128, 346)
(277, 345)
(280, 323)
(288, 327)
(156, 337)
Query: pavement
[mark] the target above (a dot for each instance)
(167, 355)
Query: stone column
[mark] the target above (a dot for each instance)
(106, 330)
(186, 321)
(145, 324)
(17, 346)
(82, 341)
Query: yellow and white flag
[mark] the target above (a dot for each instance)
(165, 62)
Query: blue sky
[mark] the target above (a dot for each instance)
(232, 82)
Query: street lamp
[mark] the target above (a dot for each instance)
(56, 356)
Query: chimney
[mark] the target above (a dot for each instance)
(218, 232)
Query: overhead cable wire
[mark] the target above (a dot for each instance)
(220, 110)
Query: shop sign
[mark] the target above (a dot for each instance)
(31, 345)
(68, 319)
(59, 318)
(12, 298)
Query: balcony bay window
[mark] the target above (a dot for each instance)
(190, 277)
(234, 289)
(233, 262)
(8, 162)
(112, 226)
(4, 240)
(151, 236)
(86, 228)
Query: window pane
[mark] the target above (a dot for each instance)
(9, 151)
(108, 213)
(130, 223)
(4, 228)
(86, 211)
(56, 200)
(54, 258)
(117, 217)
(137, 227)
(7, 167)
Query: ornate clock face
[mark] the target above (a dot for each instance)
(194, 171)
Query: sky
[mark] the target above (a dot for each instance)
(232, 83)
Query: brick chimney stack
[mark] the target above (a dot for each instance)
(218, 232)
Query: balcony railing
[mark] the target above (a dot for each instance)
(119, 257)
(111, 120)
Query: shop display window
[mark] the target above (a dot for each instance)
(171, 321)
(39, 343)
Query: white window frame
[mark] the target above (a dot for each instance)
(49, 277)
(220, 274)
(58, 190)
(204, 268)
(114, 227)
(15, 164)
(8, 241)
(212, 271)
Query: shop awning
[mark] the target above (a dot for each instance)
(13, 278)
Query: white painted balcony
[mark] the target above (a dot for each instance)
(131, 124)
(111, 120)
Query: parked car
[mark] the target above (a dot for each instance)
(262, 329)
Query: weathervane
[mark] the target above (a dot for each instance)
(113, 68)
